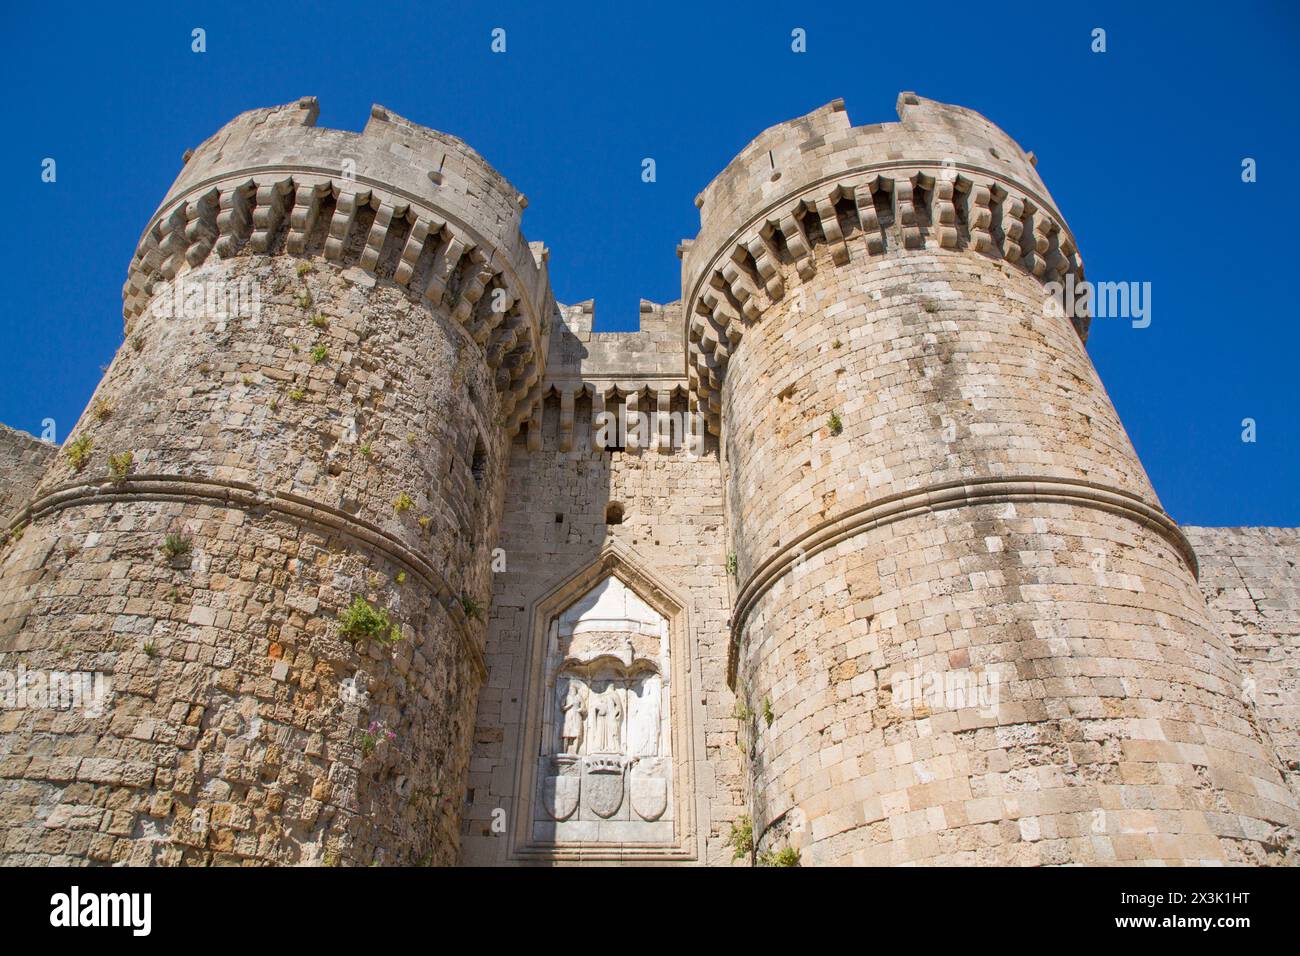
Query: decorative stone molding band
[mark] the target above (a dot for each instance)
(868, 207)
(238, 494)
(435, 258)
(941, 497)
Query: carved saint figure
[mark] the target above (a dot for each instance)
(614, 728)
(575, 714)
(606, 723)
(643, 722)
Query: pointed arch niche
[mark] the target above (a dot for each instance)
(604, 768)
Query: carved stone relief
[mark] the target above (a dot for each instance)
(605, 764)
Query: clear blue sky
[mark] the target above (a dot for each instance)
(1141, 147)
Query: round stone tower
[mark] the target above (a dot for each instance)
(262, 561)
(964, 629)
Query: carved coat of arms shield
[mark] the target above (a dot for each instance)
(649, 797)
(604, 786)
(560, 796)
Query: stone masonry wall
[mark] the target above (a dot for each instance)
(1251, 581)
(1066, 605)
(939, 366)
(235, 729)
(23, 459)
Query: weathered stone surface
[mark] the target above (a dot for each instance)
(1250, 580)
(23, 459)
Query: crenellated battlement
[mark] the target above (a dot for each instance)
(398, 200)
(603, 372)
(943, 177)
(792, 156)
(653, 351)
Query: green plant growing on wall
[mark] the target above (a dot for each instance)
(319, 321)
(362, 620)
(119, 465)
(768, 716)
(401, 577)
(176, 545)
(304, 268)
(304, 299)
(402, 503)
(78, 452)
(137, 342)
(365, 450)
(150, 650)
(837, 344)
(834, 423)
(786, 856)
(744, 724)
(741, 837)
(319, 354)
(296, 395)
(378, 732)
(425, 522)
(471, 607)
(732, 564)
(102, 409)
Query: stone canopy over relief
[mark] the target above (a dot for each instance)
(605, 769)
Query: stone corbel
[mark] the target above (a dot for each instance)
(345, 214)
